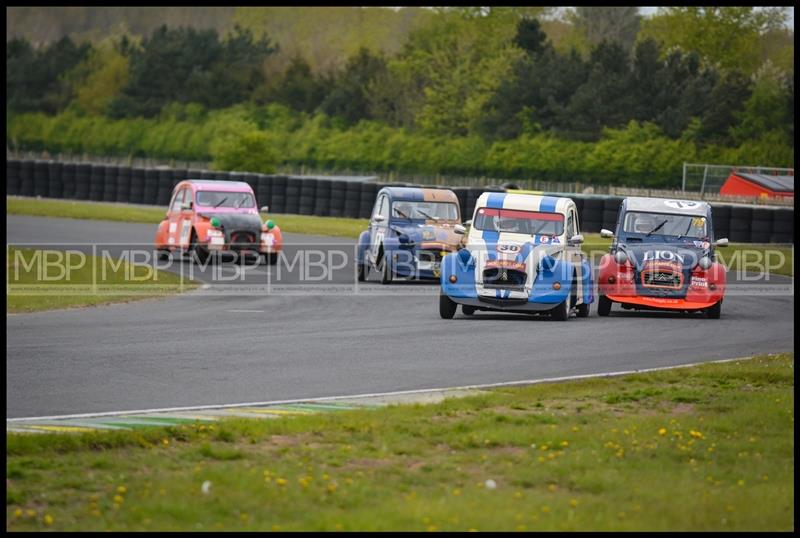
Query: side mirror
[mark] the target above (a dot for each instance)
(606, 233)
(264, 209)
(379, 218)
(721, 242)
(576, 239)
(468, 222)
(459, 229)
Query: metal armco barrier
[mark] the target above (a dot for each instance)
(337, 196)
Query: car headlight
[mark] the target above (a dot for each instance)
(214, 233)
(620, 257)
(705, 262)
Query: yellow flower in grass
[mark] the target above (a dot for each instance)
(332, 487)
(662, 431)
(565, 443)
(552, 487)
(573, 503)
(456, 492)
(165, 442)
(281, 482)
(18, 512)
(121, 490)
(48, 519)
(696, 434)
(119, 499)
(30, 513)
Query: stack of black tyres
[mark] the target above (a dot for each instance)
(721, 220)
(194, 173)
(338, 193)
(262, 191)
(592, 214)
(782, 226)
(473, 193)
(292, 195)
(352, 199)
(741, 220)
(40, 178)
(207, 175)
(761, 228)
(110, 183)
(277, 194)
(322, 202)
(611, 207)
(164, 186)
(123, 184)
(579, 206)
(83, 180)
(178, 175)
(369, 191)
(97, 177)
(68, 174)
(26, 178)
(222, 176)
(252, 180)
(136, 195)
(55, 182)
(308, 193)
(12, 176)
(150, 196)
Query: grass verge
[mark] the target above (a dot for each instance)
(33, 285)
(737, 255)
(709, 447)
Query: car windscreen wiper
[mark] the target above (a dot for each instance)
(240, 202)
(432, 218)
(654, 230)
(402, 214)
(221, 201)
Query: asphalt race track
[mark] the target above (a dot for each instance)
(223, 346)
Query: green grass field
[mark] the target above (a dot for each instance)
(703, 448)
(93, 281)
(780, 256)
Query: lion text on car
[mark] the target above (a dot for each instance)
(662, 257)
(523, 254)
(208, 218)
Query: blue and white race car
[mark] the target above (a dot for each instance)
(523, 254)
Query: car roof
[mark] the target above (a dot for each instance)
(525, 202)
(666, 205)
(225, 186)
(421, 194)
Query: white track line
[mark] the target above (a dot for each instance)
(370, 395)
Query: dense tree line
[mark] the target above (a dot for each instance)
(489, 78)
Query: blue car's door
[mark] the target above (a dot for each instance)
(377, 227)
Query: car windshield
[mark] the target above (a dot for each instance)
(665, 224)
(438, 211)
(517, 221)
(225, 199)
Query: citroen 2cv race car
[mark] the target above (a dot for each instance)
(523, 254)
(410, 230)
(206, 217)
(662, 257)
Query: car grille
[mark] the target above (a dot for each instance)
(502, 302)
(503, 278)
(241, 239)
(662, 276)
(430, 255)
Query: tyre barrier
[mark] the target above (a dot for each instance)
(352, 199)
(721, 220)
(150, 195)
(55, 179)
(308, 192)
(292, 195)
(97, 176)
(110, 183)
(68, 180)
(137, 186)
(322, 202)
(40, 178)
(164, 191)
(278, 194)
(82, 181)
(325, 196)
(368, 193)
(338, 192)
(12, 176)
(262, 190)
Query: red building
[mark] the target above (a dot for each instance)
(758, 185)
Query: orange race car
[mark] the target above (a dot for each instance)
(207, 217)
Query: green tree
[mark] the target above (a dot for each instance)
(349, 96)
(99, 79)
(251, 151)
(613, 24)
